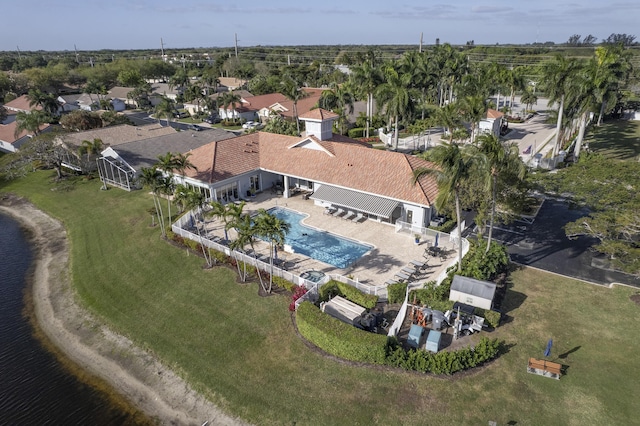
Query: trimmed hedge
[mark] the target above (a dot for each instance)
(339, 338)
(337, 288)
(396, 292)
(358, 132)
(443, 362)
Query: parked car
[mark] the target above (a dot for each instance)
(250, 125)
(181, 114)
(212, 119)
(194, 127)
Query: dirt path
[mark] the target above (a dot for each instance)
(133, 373)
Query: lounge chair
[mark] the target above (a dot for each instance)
(418, 264)
(349, 216)
(338, 213)
(408, 271)
(329, 210)
(402, 276)
(357, 219)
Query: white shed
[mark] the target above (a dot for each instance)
(472, 292)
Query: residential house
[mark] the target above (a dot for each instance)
(121, 162)
(335, 170)
(69, 103)
(9, 141)
(20, 104)
(230, 83)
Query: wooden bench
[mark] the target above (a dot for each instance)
(544, 368)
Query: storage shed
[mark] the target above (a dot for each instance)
(433, 341)
(472, 292)
(344, 310)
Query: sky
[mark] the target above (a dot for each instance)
(140, 24)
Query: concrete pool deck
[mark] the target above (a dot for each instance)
(390, 254)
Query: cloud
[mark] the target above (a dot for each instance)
(438, 11)
(491, 9)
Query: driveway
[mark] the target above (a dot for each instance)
(543, 244)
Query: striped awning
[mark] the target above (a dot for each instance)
(354, 200)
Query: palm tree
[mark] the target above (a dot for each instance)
(229, 100)
(167, 164)
(498, 159)
(274, 230)
(453, 168)
(227, 213)
(165, 108)
(529, 99)
(150, 178)
(90, 148)
(292, 91)
(368, 77)
(246, 235)
(395, 94)
(181, 163)
(47, 101)
(611, 67)
(556, 77)
(473, 108)
(30, 122)
(194, 200)
(448, 117)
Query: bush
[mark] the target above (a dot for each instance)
(339, 338)
(446, 227)
(359, 132)
(298, 292)
(492, 318)
(443, 362)
(281, 282)
(337, 288)
(396, 292)
(436, 297)
(485, 266)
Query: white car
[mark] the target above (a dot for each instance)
(250, 125)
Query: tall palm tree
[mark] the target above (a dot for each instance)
(611, 67)
(194, 200)
(181, 163)
(246, 235)
(229, 100)
(367, 77)
(150, 178)
(449, 117)
(273, 230)
(453, 167)
(167, 164)
(473, 108)
(529, 99)
(498, 159)
(396, 96)
(557, 77)
(292, 91)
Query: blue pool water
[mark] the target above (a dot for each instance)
(320, 245)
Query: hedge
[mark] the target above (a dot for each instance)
(337, 288)
(396, 292)
(339, 338)
(443, 362)
(491, 317)
(358, 132)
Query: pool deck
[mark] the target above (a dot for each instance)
(391, 253)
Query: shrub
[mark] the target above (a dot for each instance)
(337, 288)
(396, 292)
(359, 132)
(281, 282)
(485, 266)
(298, 292)
(492, 318)
(339, 338)
(446, 227)
(436, 297)
(444, 362)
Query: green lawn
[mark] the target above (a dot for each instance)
(241, 351)
(618, 139)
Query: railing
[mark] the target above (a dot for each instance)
(378, 290)
(397, 323)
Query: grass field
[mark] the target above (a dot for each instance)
(241, 351)
(618, 139)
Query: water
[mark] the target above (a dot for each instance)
(320, 245)
(34, 388)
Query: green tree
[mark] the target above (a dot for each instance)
(30, 122)
(395, 95)
(274, 230)
(166, 108)
(449, 117)
(291, 89)
(279, 125)
(151, 177)
(229, 101)
(473, 109)
(367, 77)
(453, 167)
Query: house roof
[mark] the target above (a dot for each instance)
(242, 93)
(340, 162)
(7, 132)
(318, 114)
(117, 135)
(145, 152)
(263, 101)
(119, 92)
(231, 82)
(70, 99)
(466, 285)
(21, 103)
(492, 113)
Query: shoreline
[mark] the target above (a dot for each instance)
(93, 349)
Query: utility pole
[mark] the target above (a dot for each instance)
(236, 36)
(19, 55)
(420, 49)
(76, 49)
(289, 60)
(91, 61)
(162, 48)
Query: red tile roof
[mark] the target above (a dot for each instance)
(492, 113)
(319, 114)
(7, 132)
(342, 162)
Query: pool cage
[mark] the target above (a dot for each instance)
(116, 173)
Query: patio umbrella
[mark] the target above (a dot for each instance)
(547, 351)
(436, 243)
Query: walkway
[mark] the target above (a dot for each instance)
(392, 251)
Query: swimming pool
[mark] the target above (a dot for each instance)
(320, 245)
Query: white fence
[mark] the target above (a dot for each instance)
(185, 226)
(397, 324)
(427, 234)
